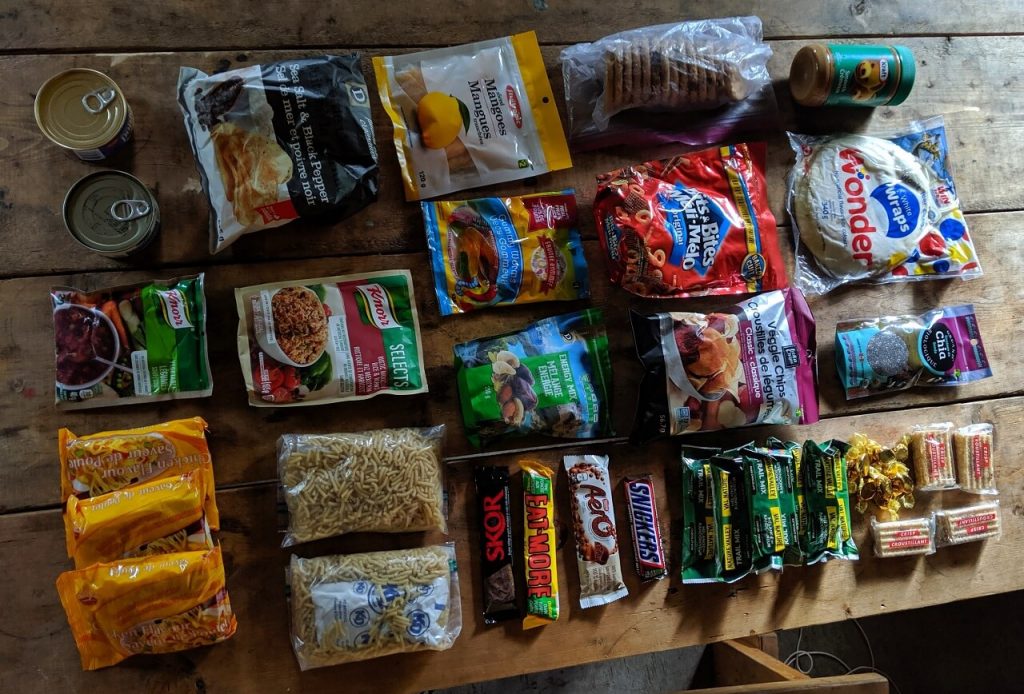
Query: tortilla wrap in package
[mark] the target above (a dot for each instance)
(877, 209)
(280, 141)
(751, 363)
(471, 115)
(692, 82)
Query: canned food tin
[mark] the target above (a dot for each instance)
(85, 111)
(111, 213)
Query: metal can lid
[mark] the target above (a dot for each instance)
(908, 72)
(111, 212)
(80, 109)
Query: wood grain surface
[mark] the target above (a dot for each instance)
(970, 58)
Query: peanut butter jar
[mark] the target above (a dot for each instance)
(852, 75)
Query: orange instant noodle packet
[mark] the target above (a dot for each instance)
(111, 460)
(161, 604)
(156, 517)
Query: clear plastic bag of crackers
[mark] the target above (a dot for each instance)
(632, 86)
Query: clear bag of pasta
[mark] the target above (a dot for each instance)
(386, 481)
(361, 606)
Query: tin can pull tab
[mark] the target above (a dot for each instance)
(96, 101)
(127, 210)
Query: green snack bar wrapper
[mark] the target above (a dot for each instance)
(772, 529)
(829, 528)
(792, 500)
(732, 518)
(552, 377)
(135, 343)
(700, 563)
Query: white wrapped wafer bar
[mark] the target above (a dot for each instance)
(931, 450)
(972, 446)
(969, 524)
(901, 538)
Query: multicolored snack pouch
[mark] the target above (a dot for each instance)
(829, 528)
(552, 377)
(942, 347)
(593, 522)
(496, 563)
(751, 363)
(135, 343)
(471, 115)
(700, 554)
(694, 225)
(733, 537)
(539, 542)
(502, 251)
(649, 558)
(330, 339)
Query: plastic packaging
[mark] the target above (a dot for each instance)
(969, 524)
(693, 225)
(497, 563)
(878, 476)
(931, 451)
(829, 527)
(110, 460)
(360, 606)
(280, 141)
(877, 208)
(973, 449)
(503, 251)
(539, 544)
(751, 363)
(900, 538)
(471, 115)
(387, 480)
(552, 377)
(942, 347)
(693, 82)
(649, 558)
(699, 553)
(159, 604)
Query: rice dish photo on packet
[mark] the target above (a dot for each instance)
(281, 141)
(497, 566)
(877, 209)
(503, 251)
(471, 115)
(751, 363)
(330, 339)
(593, 522)
(697, 224)
(539, 543)
(942, 347)
(553, 377)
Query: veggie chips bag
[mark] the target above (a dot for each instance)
(160, 604)
(129, 344)
(471, 115)
(501, 251)
(552, 377)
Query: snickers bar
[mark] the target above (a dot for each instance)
(648, 548)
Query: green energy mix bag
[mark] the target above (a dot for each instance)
(552, 377)
(136, 343)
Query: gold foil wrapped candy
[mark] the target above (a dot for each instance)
(879, 476)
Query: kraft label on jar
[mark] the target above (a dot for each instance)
(863, 75)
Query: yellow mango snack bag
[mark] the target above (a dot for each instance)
(471, 115)
(500, 251)
(160, 516)
(111, 460)
(161, 604)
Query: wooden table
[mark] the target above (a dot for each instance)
(967, 71)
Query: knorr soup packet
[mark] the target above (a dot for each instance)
(471, 115)
(500, 251)
(130, 344)
(329, 339)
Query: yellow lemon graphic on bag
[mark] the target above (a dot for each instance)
(441, 118)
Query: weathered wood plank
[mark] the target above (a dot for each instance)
(243, 437)
(38, 26)
(982, 115)
(35, 643)
(862, 683)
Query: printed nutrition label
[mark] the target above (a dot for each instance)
(344, 369)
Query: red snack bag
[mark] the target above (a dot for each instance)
(693, 225)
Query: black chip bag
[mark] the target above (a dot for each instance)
(280, 141)
(496, 570)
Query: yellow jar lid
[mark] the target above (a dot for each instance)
(80, 109)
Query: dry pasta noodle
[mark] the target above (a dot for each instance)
(361, 606)
(156, 604)
(111, 460)
(388, 480)
(141, 520)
